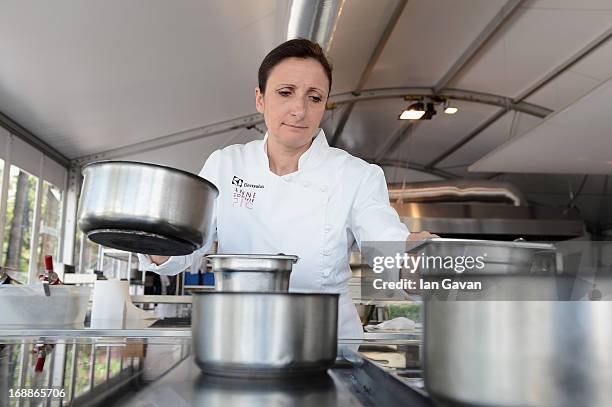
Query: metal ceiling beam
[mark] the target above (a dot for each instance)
(456, 94)
(500, 18)
(173, 139)
(414, 166)
(21, 132)
(254, 119)
(365, 75)
(567, 64)
(489, 31)
(506, 103)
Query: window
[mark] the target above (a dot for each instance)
(1, 173)
(19, 217)
(50, 224)
(87, 253)
(1, 186)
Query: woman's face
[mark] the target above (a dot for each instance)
(294, 102)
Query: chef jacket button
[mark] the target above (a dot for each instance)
(306, 184)
(325, 252)
(323, 188)
(327, 228)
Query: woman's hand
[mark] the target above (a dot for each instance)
(158, 259)
(420, 236)
(415, 240)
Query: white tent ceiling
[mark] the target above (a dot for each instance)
(91, 76)
(581, 136)
(86, 77)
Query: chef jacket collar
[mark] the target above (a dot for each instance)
(310, 157)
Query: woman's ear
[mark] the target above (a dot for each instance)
(259, 102)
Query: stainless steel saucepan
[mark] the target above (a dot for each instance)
(252, 272)
(145, 208)
(259, 335)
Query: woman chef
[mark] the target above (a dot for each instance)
(293, 193)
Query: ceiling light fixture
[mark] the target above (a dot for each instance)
(424, 107)
(430, 111)
(449, 109)
(413, 112)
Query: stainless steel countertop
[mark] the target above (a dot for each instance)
(185, 385)
(127, 329)
(143, 329)
(127, 371)
(356, 383)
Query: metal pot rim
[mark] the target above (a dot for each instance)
(264, 293)
(293, 258)
(492, 243)
(164, 167)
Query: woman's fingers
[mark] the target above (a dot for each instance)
(421, 236)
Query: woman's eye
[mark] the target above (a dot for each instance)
(284, 93)
(316, 99)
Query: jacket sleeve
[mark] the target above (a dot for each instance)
(176, 264)
(372, 217)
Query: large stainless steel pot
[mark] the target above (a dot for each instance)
(252, 272)
(145, 208)
(491, 349)
(498, 256)
(511, 353)
(256, 334)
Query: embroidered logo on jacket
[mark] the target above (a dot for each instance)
(243, 194)
(237, 181)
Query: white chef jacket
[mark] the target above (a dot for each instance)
(316, 213)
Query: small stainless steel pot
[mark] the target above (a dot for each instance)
(145, 208)
(252, 272)
(256, 334)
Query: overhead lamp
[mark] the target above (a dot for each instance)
(413, 112)
(430, 111)
(449, 109)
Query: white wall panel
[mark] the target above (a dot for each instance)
(25, 156)
(54, 173)
(4, 143)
